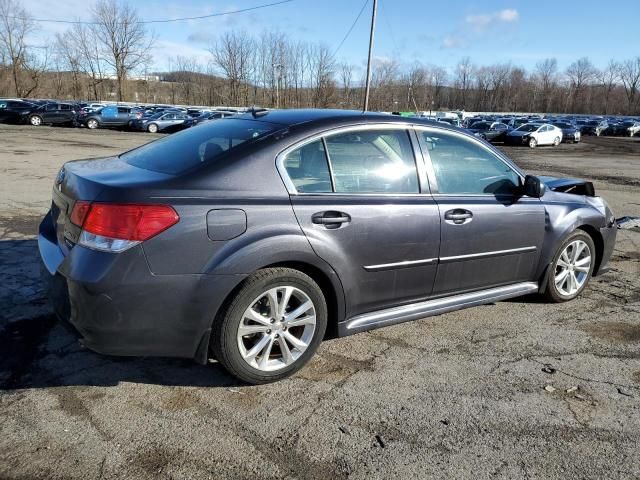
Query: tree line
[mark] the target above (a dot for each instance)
(96, 61)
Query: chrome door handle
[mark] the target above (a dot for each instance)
(458, 216)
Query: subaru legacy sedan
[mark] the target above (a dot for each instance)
(248, 238)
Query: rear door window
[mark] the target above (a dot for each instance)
(308, 168)
(373, 161)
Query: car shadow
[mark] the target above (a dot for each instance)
(37, 351)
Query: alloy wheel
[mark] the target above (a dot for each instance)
(276, 328)
(92, 124)
(35, 121)
(572, 268)
(533, 143)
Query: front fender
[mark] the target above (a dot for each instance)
(561, 219)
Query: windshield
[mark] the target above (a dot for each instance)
(481, 125)
(529, 127)
(562, 125)
(196, 146)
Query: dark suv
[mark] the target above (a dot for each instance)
(110, 117)
(54, 114)
(247, 237)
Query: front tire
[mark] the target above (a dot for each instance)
(571, 269)
(272, 326)
(92, 124)
(152, 128)
(556, 141)
(533, 143)
(35, 120)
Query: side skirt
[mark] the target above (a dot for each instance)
(428, 308)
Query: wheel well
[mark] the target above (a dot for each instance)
(597, 241)
(327, 289)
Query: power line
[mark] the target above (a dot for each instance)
(350, 29)
(166, 20)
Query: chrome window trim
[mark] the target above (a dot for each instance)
(494, 253)
(291, 188)
(403, 264)
(431, 171)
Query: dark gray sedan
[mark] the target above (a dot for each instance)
(248, 238)
(163, 122)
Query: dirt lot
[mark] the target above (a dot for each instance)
(454, 396)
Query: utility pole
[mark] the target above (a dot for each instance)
(368, 81)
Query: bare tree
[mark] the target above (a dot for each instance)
(546, 77)
(321, 65)
(15, 25)
(630, 76)
(346, 79)
(69, 55)
(233, 53)
(464, 71)
(608, 77)
(580, 73)
(124, 40)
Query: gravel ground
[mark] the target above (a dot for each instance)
(455, 396)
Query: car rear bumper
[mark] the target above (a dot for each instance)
(119, 307)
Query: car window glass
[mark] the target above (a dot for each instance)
(463, 166)
(123, 110)
(308, 169)
(51, 107)
(65, 107)
(195, 146)
(373, 161)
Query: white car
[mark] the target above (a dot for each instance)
(534, 134)
(634, 129)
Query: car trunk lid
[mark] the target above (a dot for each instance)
(91, 180)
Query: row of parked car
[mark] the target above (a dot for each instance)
(151, 118)
(548, 130)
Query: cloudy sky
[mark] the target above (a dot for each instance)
(431, 32)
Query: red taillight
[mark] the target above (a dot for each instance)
(126, 221)
(79, 212)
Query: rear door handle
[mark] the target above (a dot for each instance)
(330, 219)
(458, 216)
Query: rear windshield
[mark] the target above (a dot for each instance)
(197, 145)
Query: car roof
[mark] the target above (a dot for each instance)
(311, 117)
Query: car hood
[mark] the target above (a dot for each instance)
(569, 185)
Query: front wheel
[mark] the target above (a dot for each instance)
(556, 141)
(92, 124)
(35, 120)
(272, 327)
(152, 128)
(571, 268)
(533, 143)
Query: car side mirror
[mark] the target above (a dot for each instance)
(533, 187)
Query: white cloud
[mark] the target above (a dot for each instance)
(483, 21)
(452, 41)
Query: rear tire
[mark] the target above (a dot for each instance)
(564, 268)
(264, 334)
(556, 141)
(35, 120)
(533, 143)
